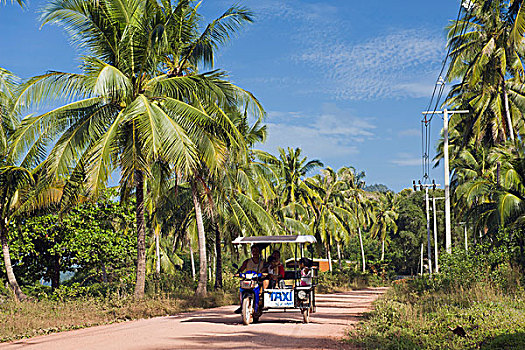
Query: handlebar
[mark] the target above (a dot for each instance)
(252, 273)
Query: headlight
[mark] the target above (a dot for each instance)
(247, 284)
(302, 294)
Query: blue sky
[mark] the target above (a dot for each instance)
(344, 80)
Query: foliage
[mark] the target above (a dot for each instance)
(341, 280)
(403, 320)
(480, 292)
(94, 240)
(377, 188)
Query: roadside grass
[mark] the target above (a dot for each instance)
(347, 279)
(34, 318)
(407, 318)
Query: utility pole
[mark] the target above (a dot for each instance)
(448, 236)
(435, 231)
(422, 245)
(429, 244)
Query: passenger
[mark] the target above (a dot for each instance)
(275, 271)
(277, 255)
(306, 272)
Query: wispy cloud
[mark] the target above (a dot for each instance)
(334, 133)
(406, 159)
(396, 63)
(409, 133)
(389, 66)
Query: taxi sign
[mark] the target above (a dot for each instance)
(279, 298)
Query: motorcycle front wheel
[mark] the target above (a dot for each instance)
(247, 310)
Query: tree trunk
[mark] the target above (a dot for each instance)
(218, 255)
(55, 280)
(203, 273)
(192, 260)
(19, 295)
(339, 255)
(141, 236)
(362, 249)
(329, 257)
(507, 112)
(382, 249)
(157, 248)
(104, 273)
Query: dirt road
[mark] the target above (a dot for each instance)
(220, 328)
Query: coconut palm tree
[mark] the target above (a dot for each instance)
(233, 198)
(286, 175)
(384, 221)
(487, 59)
(13, 180)
(333, 220)
(20, 2)
(8, 120)
(139, 98)
(357, 201)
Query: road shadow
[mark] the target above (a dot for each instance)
(264, 340)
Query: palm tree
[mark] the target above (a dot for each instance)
(12, 181)
(384, 221)
(333, 220)
(20, 2)
(487, 59)
(139, 98)
(285, 174)
(357, 201)
(8, 120)
(292, 169)
(233, 198)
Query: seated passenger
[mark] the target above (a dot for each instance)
(275, 271)
(277, 255)
(306, 272)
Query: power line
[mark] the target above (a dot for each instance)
(426, 122)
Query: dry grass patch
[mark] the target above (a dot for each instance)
(29, 319)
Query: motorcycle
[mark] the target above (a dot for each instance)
(249, 295)
(284, 296)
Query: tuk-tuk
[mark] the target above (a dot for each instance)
(296, 294)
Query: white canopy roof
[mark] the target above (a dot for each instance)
(275, 239)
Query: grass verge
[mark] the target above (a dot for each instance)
(406, 319)
(30, 319)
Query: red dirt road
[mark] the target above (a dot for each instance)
(219, 328)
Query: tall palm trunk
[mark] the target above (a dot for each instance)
(157, 248)
(218, 256)
(339, 255)
(362, 248)
(192, 260)
(382, 249)
(507, 112)
(141, 236)
(19, 295)
(203, 273)
(329, 257)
